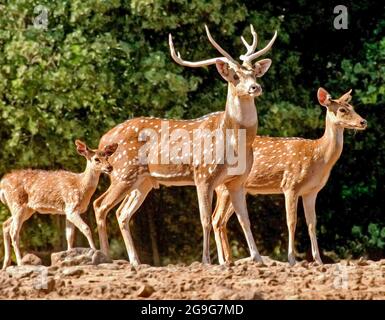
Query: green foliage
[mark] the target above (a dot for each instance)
(101, 62)
(369, 74)
(370, 243)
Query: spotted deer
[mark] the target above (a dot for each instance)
(132, 180)
(295, 167)
(53, 192)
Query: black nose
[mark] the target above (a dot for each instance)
(363, 122)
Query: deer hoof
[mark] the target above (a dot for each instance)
(291, 260)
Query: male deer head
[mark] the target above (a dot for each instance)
(340, 112)
(98, 159)
(241, 77)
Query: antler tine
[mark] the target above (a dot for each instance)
(250, 48)
(218, 47)
(177, 58)
(249, 58)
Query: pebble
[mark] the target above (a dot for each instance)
(145, 291)
(72, 272)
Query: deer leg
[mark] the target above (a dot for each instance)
(238, 200)
(223, 231)
(7, 242)
(291, 202)
(126, 211)
(20, 216)
(219, 222)
(74, 218)
(311, 220)
(205, 198)
(114, 194)
(70, 234)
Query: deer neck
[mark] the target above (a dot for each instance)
(332, 141)
(89, 179)
(241, 111)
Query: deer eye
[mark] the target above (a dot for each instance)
(97, 160)
(236, 77)
(342, 110)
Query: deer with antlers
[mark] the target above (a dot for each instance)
(295, 167)
(132, 180)
(53, 192)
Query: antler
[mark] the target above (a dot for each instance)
(249, 56)
(218, 47)
(178, 59)
(250, 48)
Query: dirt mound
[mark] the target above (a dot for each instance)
(359, 279)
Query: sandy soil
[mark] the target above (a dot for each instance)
(244, 280)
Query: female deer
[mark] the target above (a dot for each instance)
(295, 167)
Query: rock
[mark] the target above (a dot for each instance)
(31, 260)
(99, 257)
(196, 264)
(108, 266)
(260, 265)
(221, 294)
(49, 286)
(242, 261)
(273, 282)
(22, 271)
(142, 266)
(322, 269)
(145, 291)
(268, 261)
(121, 262)
(78, 257)
(53, 269)
(362, 262)
(249, 295)
(72, 272)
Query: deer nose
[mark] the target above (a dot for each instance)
(363, 123)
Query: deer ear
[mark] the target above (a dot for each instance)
(81, 148)
(346, 97)
(223, 69)
(323, 97)
(261, 67)
(110, 149)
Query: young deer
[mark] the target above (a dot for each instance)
(132, 180)
(295, 167)
(54, 192)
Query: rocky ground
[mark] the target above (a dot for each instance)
(86, 274)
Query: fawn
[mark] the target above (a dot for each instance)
(55, 192)
(295, 167)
